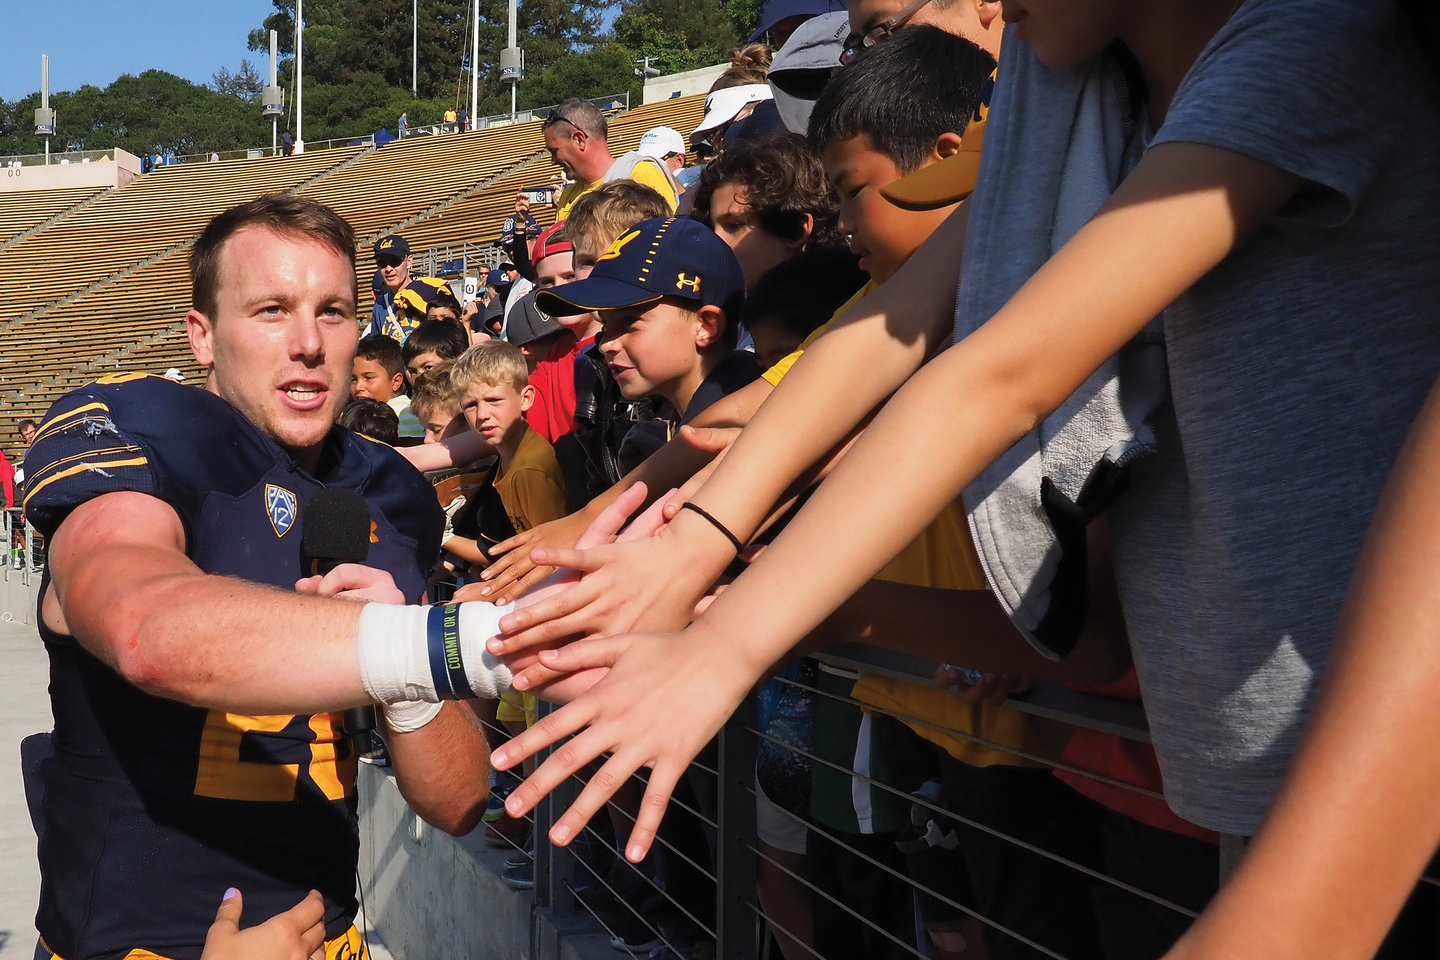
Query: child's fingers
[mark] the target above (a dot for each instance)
(502, 594)
(652, 808)
(648, 523)
(564, 761)
(709, 439)
(525, 627)
(601, 787)
(610, 521)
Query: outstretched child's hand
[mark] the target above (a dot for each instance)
(296, 934)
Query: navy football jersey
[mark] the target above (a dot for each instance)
(153, 807)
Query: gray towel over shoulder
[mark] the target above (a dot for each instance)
(1028, 510)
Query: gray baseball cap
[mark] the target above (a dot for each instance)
(802, 67)
(527, 324)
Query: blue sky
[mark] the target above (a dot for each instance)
(95, 41)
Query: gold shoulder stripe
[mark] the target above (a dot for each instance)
(81, 468)
(60, 418)
(85, 454)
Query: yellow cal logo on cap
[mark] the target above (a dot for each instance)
(618, 245)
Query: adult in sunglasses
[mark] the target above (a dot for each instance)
(575, 137)
(871, 21)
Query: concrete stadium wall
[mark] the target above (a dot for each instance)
(115, 172)
(428, 894)
(19, 593)
(681, 85)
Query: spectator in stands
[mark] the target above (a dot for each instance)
(379, 374)
(403, 125)
(436, 403)
(552, 379)
(603, 416)
(452, 124)
(768, 202)
(804, 65)
(28, 428)
(726, 106)
(520, 225)
(493, 384)
(667, 146)
(793, 299)
(575, 135)
(287, 144)
(372, 418)
(392, 256)
(432, 342)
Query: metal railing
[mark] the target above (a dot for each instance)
(25, 548)
(618, 102)
(722, 806)
(719, 802)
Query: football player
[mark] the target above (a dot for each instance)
(196, 693)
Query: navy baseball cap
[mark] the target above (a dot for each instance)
(664, 257)
(392, 246)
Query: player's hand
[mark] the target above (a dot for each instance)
(296, 934)
(353, 581)
(513, 572)
(648, 584)
(661, 702)
(991, 688)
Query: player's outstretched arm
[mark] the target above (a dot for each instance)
(1183, 209)
(1366, 773)
(449, 453)
(122, 585)
(839, 381)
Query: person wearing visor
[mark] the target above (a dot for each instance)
(575, 135)
(392, 257)
(723, 109)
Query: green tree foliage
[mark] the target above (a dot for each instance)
(154, 111)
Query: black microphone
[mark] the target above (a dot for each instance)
(335, 529)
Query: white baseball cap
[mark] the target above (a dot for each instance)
(660, 142)
(721, 106)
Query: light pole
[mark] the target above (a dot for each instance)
(299, 76)
(44, 116)
(272, 101)
(414, 46)
(512, 60)
(475, 67)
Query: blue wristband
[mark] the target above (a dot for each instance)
(447, 664)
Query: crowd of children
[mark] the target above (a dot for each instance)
(1137, 453)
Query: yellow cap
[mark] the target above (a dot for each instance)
(941, 184)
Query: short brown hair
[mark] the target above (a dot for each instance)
(283, 213)
(433, 390)
(492, 362)
(782, 180)
(606, 212)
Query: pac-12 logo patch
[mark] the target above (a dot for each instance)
(280, 505)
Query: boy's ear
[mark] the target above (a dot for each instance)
(711, 328)
(946, 145)
(806, 228)
(527, 398)
(397, 382)
(988, 11)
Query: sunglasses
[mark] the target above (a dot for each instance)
(383, 262)
(855, 44)
(554, 117)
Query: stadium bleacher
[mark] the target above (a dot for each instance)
(105, 287)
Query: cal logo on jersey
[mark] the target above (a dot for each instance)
(280, 505)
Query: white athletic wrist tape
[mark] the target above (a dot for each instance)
(431, 653)
(407, 716)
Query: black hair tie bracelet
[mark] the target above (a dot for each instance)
(687, 505)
